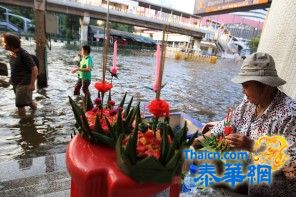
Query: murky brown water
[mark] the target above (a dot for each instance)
(199, 89)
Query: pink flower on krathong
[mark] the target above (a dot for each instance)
(112, 112)
(111, 103)
(98, 101)
(120, 109)
(95, 109)
(114, 70)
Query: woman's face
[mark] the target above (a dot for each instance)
(254, 91)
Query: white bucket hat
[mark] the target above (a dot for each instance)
(259, 67)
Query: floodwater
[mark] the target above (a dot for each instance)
(200, 89)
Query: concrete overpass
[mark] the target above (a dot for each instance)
(97, 12)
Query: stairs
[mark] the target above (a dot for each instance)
(42, 176)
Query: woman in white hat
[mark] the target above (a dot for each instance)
(265, 110)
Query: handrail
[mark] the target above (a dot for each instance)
(149, 13)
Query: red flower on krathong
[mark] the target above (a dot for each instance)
(103, 86)
(228, 130)
(91, 119)
(159, 108)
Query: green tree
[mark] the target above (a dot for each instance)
(122, 27)
(117, 26)
(26, 12)
(253, 43)
(22, 11)
(69, 27)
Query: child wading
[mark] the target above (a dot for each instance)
(85, 68)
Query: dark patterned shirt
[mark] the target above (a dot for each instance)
(278, 119)
(21, 68)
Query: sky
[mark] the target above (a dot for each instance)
(180, 5)
(188, 6)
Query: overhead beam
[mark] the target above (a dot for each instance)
(79, 11)
(237, 9)
(21, 3)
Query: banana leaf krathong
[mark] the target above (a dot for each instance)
(151, 168)
(101, 128)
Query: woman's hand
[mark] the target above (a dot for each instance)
(208, 127)
(197, 141)
(205, 131)
(240, 141)
(74, 70)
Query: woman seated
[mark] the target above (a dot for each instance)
(265, 110)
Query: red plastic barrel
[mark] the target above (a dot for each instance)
(94, 173)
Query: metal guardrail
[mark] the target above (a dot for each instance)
(149, 13)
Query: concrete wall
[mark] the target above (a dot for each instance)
(279, 39)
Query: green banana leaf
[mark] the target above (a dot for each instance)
(127, 110)
(123, 99)
(149, 169)
(164, 147)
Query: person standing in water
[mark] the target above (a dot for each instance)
(24, 72)
(84, 77)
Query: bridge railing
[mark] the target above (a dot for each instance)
(150, 13)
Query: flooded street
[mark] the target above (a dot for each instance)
(200, 89)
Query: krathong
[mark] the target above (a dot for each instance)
(218, 143)
(152, 153)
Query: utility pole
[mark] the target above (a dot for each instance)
(41, 41)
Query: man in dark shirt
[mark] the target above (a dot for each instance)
(23, 73)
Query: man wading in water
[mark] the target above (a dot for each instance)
(23, 73)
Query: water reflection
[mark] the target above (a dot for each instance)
(30, 137)
(25, 164)
(202, 90)
(50, 161)
(29, 140)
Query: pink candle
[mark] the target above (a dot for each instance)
(114, 67)
(157, 69)
(115, 54)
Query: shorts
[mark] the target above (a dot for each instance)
(23, 95)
